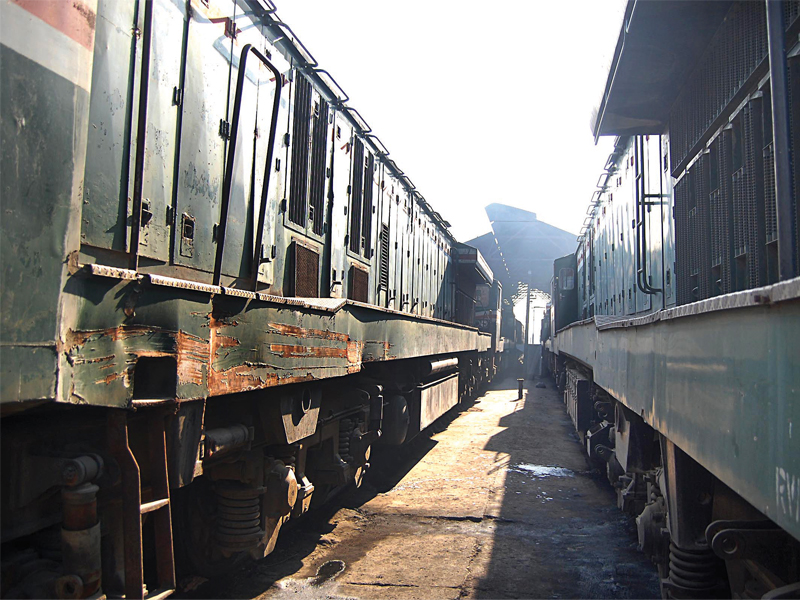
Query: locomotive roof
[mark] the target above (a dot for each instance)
(282, 36)
(659, 43)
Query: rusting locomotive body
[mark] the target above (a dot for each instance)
(675, 327)
(218, 292)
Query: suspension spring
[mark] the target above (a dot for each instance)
(346, 428)
(693, 570)
(238, 516)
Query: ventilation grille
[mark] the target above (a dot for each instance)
(359, 284)
(298, 186)
(357, 194)
(753, 193)
(366, 220)
(682, 251)
(769, 193)
(383, 280)
(306, 272)
(703, 231)
(737, 48)
(741, 209)
(317, 186)
(725, 218)
(716, 224)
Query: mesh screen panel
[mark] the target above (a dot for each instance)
(733, 54)
(359, 285)
(682, 238)
(702, 230)
(306, 272)
(769, 193)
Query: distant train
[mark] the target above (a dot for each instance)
(674, 329)
(218, 292)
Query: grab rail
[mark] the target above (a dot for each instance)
(228, 181)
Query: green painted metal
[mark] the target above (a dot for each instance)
(720, 378)
(223, 343)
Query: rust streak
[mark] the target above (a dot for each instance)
(109, 378)
(192, 357)
(300, 332)
(354, 351)
(289, 351)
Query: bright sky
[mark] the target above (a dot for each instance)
(477, 102)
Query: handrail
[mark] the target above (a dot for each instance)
(340, 99)
(228, 181)
(357, 119)
(641, 236)
(300, 49)
(379, 146)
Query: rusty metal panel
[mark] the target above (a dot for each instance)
(437, 398)
(222, 343)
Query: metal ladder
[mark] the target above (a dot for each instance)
(133, 509)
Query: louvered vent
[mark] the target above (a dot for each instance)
(384, 265)
(306, 272)
(298, 186)
(357, 196)
(359, 284)
(366, 221)
(317, 185)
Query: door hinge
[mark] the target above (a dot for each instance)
(283, 205)
(170, 216)
(224, 129)
(177, 96)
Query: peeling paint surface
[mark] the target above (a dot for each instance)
(224, 345)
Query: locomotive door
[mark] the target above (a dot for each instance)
(252, 101)
(342, 150)
(131, 146)
(203, 144)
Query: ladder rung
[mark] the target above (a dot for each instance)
(154, 505)
(159, 594)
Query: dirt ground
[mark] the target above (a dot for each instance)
(497, 501)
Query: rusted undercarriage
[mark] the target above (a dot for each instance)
(220, 430)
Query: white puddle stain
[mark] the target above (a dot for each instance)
(541, 471)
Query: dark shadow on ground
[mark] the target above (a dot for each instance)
(558, 532)
(299, 538)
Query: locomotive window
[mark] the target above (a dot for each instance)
(566, 279)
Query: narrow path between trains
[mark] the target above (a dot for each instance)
(498, 501)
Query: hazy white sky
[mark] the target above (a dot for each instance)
(477, 102)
